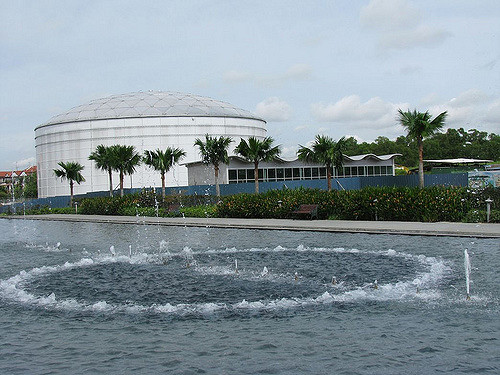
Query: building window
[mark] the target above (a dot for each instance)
(304, 173)
(232, 176)
(242, 175)
(307, 173)
(250, 175)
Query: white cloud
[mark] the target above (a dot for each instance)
(470, 109)
(301, 127)
(493, 114)
(28, 162)
(468, 98)
(274, 109)
(399, 25)
(375, 112)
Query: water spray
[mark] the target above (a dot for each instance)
(467, 274)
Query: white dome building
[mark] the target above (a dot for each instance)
(146, 120)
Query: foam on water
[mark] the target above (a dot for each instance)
(422, 287)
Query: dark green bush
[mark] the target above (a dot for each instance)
(381, 203)
(199, 211)
(105, 205)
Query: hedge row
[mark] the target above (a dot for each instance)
(381, 203)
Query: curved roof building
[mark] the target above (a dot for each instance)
(147, 120)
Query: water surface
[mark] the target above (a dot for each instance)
(109, 298)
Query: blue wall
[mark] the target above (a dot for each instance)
(348, 183)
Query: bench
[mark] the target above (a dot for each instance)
(307, 210)
(174, 207)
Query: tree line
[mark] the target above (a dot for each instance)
(452, 144)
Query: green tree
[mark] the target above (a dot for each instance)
(70, 171)
(26, 188)
(326, 151)
(31, 186)
(255, 151)
(126, 160)
(4, 194)
(419, 126)
(162, 161)
(103, 158)
(214, 151)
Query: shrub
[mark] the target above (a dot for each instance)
(381, 203)
(199, 211)
(479, 216)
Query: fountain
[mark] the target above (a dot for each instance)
(467, 274)
(184, 294)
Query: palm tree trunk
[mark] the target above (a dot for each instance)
(256, 177)
(163, 184)
(121, 183)
(217, 187)
(329, 177)
(71, 193)
(421, 163)
(110, 171)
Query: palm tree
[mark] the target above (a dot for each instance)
(326, 151)
(125, 161)
(103, 158)
(214, 151)
(419, 126)
(70, 171)
(162, 161)
(255, 151)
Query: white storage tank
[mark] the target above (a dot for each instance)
(147, 120)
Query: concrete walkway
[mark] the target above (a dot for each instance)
(388, 227)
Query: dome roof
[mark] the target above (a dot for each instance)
(150, 104)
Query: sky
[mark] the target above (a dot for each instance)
(337, 68)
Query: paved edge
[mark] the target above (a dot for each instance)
(479, 230)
